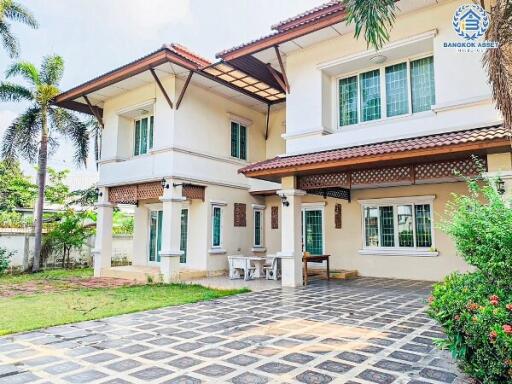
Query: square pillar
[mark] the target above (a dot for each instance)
(171, 230)
(291, 238)
(102, 252)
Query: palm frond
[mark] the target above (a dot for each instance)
(22, 137)
(24, 69)
(52, 69)
(19, 13)
(70, 126)
(499, 61)
(8, 40)
(376, 17)
(95, 132)
(14, 92)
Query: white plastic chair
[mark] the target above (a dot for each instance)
(240, 265)
(272, 269)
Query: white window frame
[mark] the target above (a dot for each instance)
(140, 118)
(220, 247)
(313, 207)
(383, 101)
(152, 208)
(261, 210)
(397, 250)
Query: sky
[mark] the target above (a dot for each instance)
(95, 36)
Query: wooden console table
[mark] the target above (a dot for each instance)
(315, 259)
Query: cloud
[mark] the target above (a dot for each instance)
(6, 118)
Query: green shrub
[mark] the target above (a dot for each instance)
(5, 259)
(481, 225)
(475, 309)
(477, 318)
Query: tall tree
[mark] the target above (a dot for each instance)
(499, 61)
(35, 132)
(376, 18)
(16, 189)
(13, 11)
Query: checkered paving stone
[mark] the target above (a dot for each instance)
(361, 331)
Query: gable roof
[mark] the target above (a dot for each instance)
(261, 88)
(312, 20)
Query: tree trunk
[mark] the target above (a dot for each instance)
(41, 184)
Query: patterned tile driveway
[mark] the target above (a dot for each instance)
(361, 331)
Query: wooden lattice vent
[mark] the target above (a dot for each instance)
(240, 215)
(130, 194)
(191, 191)
(274, 217)
(335, 184)
(337, 216)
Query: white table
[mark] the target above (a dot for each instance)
(258, 262)
(244, 263)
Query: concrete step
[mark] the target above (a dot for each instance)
(140, 274)
(343, 274)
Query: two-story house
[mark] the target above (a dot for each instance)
(358, 162)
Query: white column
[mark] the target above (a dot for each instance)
(291, 242)
(102, 252)
(171, 229)
(140, 235)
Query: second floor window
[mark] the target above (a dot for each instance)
(398, 89)
(143, 135)
(238, 141)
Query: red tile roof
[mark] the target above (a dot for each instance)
(402, 145)
(188, 54)
(313, 15)
(310, 15)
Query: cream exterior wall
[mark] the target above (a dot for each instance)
(343, 244)
(191, 143)
(463, 98)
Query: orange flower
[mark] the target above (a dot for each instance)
(507, 328)
(509, 307)
(492, 336)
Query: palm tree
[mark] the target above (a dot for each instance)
(377, 17)
(499, 61)
(34, 133)
(11, 10)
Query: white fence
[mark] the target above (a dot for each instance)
(21, 242)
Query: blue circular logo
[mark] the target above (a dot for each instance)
(470, 21)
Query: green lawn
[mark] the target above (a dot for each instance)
(53, 274)
(41, 310)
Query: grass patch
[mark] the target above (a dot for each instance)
(52, 274)
(25, 313)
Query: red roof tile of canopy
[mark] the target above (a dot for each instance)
(402, 145)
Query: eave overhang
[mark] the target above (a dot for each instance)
(405, 151)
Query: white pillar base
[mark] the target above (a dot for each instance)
(170, 266)
(291, 269)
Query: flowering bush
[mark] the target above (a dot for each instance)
(475, 309)
(477, 317)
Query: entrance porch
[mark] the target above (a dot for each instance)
(161, 226)
(376, 208)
